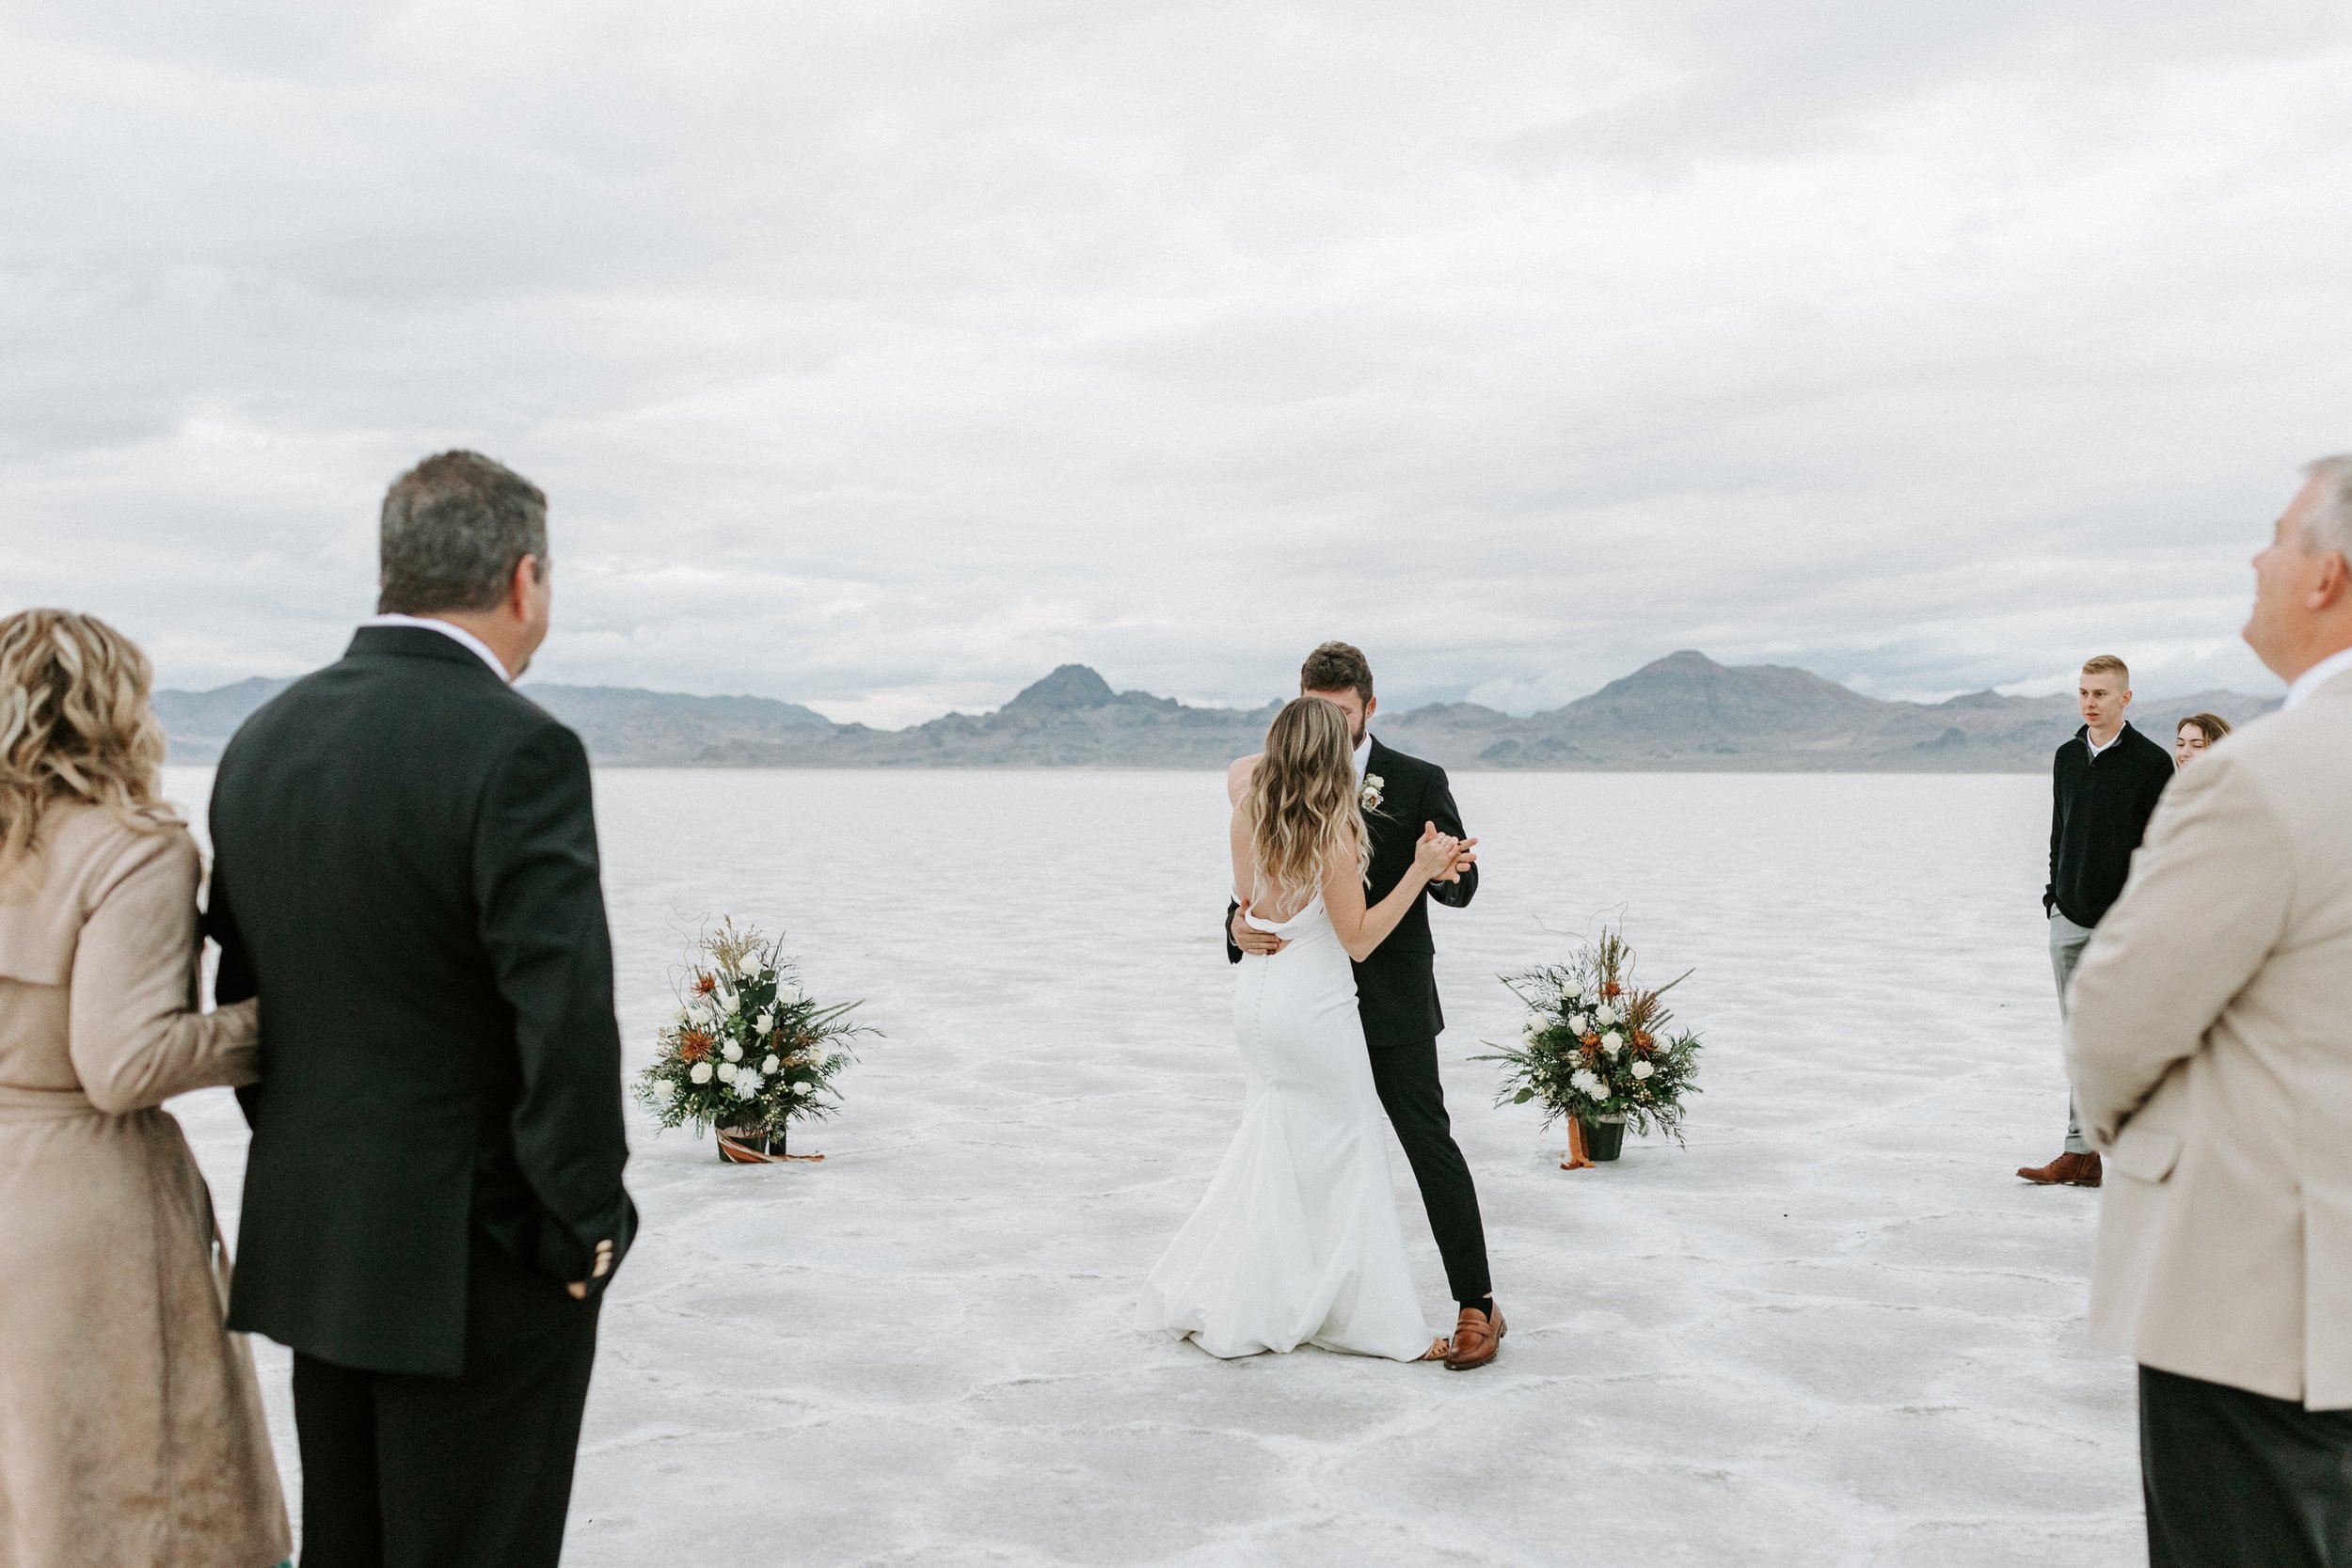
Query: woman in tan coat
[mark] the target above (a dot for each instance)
(131, 1425)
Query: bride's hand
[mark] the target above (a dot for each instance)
(1433, 857)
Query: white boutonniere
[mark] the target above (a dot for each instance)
(1370, 793)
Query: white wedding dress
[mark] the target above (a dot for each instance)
(1297, 1241)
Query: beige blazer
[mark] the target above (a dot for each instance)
(131, 1427)
(2210, 1047)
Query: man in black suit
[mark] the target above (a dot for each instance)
(1397, 990)
(406, 873)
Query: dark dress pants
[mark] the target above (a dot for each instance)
(1406, 1078)
(405, 1471)
(2238, 1480)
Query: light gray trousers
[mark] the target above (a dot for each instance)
(2067, 940)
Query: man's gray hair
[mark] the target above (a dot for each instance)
(454, 528)
(2328, 524)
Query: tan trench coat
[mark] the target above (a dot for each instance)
(131, 1427)
(2211, 1054)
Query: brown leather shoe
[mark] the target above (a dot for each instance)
(2067, 1170)
(1476, 1338)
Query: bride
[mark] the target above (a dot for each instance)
(1297, 1241)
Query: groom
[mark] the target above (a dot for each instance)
(1397, 990)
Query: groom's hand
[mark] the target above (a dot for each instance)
(1249, 939)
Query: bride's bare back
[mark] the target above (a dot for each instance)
(1360, 929)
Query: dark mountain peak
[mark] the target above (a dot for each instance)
(1988, 698)
(1071, 688)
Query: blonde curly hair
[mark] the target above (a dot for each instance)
(1302, 805)
(75, 724)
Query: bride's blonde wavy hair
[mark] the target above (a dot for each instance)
(75, 724)
(1302, 806)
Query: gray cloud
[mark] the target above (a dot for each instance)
(882, 358)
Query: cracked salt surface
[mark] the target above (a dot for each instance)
(1835, 1329)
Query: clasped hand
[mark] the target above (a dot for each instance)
(1437, 858)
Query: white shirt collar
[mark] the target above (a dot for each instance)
(454, 633)
(2318, 675)
(1363, 755)
(2096, 749)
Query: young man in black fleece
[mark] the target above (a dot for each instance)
(2104, 783)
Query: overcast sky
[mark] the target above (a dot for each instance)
(881, 356)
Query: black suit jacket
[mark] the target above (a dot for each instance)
(1396, 988)
(405, 871)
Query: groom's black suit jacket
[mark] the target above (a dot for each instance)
(1396, 988)
(405, 871)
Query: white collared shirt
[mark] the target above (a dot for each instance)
(1364, 756)
(2318, 675)
(455, 633)
(2096, 749)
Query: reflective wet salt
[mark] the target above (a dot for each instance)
(1835, 1329)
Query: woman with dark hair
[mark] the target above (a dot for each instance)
(131, 1425)
(2194, 734)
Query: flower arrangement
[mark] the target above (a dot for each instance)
(749, 1051)
(1597, 1048)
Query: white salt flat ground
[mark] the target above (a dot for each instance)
(1835, 1329)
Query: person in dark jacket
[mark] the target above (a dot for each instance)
(2104, 783)
(1396, 988)
(405, 872)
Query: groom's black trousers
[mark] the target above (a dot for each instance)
(401, 1470)
(2238, 1480)
(1410, 1092)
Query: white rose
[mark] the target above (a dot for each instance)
(768, 1065)
(1643, 1069)
(1576, 993)
(700, 1073)
(1582, 1025)
(727, 1072)
(1607, 1015)
(735, 1004)
(748, 966)
(732, 1052)
(667, 1091)
(1612, 1042)
(788, 995)
(764, 1022)
(1534, 1026)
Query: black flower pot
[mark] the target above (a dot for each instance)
(1603, 1140)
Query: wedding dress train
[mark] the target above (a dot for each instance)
(1297, 1241)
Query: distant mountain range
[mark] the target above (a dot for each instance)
(1684, 712)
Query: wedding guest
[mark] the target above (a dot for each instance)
(2193, 735)
(2211, 1052)
(433, 1207)
(131, 1427)
(2104, 783)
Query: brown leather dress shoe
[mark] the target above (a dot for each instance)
(2067, 1170)
(1476, 1338)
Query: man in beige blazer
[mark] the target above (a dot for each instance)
(2210, 1047)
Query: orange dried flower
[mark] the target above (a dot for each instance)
(705, 984)
(1612, 991)
(693, 1046)
(1590, 1042)
(1642, 1039)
